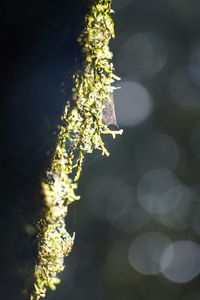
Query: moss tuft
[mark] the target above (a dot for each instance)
(84, 123)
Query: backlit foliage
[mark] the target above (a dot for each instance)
(84, 121)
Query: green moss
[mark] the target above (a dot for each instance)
(83, 126)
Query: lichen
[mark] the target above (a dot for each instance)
(84, 121)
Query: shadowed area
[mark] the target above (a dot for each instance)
(39, 54)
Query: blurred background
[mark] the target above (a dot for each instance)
(138, 221)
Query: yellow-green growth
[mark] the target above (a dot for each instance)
(81, 132)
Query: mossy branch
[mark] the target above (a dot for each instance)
(84, 123)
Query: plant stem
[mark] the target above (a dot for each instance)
(83, 126)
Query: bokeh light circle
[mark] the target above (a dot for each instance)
(146, 250)
(158, 191)
(185, 263)
(133, 103)
(179, 216)
(142, 55)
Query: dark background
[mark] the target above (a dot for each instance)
(138, 221)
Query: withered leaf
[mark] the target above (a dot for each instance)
(109, 116)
